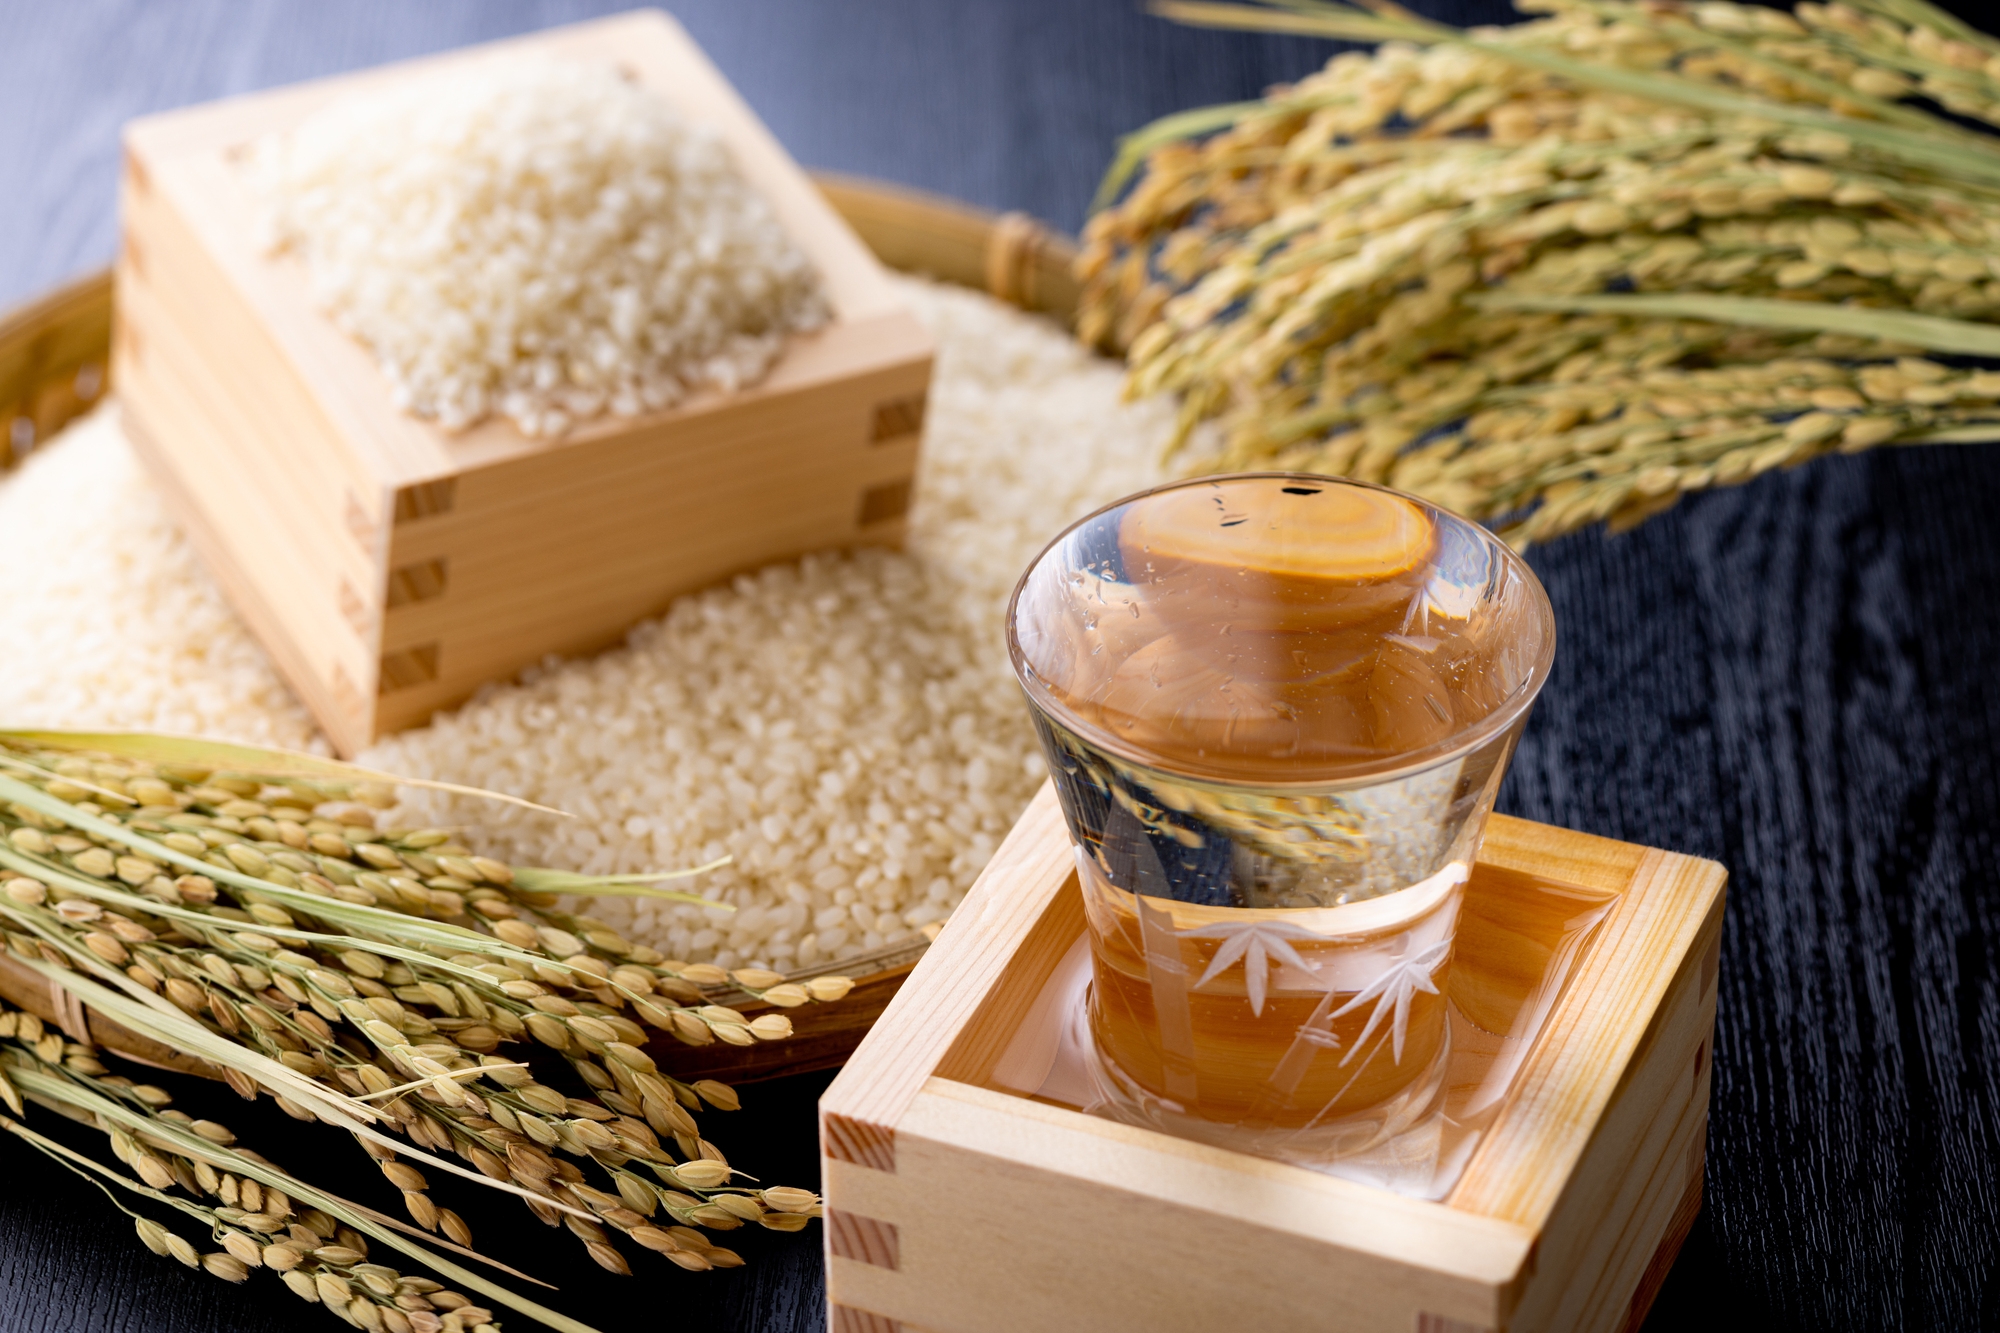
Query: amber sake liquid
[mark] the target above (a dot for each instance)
(1263, 701)
(1288, 662)
(1312, 1056)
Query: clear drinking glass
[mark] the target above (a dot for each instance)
(1277, 708)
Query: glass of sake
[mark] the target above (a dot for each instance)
(1276, 708)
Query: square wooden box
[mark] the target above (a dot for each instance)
(392, 567)
(956, 1207)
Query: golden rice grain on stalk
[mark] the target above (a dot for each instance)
(1621, 223)
(268, 1015)
(152, 1235)
(226, 1266)
(784, 1221)
(181, 1250)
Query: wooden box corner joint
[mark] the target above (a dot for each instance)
(391, 567)
(955, 1205)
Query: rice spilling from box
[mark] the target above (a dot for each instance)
(111, 620)
(540, 238)
(845, 727)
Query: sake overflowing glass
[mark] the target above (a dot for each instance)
(1277, 709)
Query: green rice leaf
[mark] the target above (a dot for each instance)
(1338, 21)
(119, 798)
(72, 1158)
(475, 1071)
(415, 939)
(540, 879)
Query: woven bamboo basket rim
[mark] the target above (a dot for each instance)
(54, 366)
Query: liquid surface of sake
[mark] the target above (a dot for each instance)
(1278, 629)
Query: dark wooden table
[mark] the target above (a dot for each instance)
(1795, 678)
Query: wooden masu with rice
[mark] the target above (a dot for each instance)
(391, 567)
(54, 357)
(962, 1197)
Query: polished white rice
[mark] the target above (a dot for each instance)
(845, 727)
(536, 237)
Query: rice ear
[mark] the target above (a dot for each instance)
(1942, 147)
(1923, 14)
(250, 760)
(355, 915)
(1133, 147)
(157, 1020)
(499, 950)
(236, 1163)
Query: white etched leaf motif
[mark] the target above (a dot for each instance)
(1391, 992)
(1258, 944)
(1325, 1038)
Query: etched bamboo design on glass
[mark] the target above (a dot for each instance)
(1277, 709)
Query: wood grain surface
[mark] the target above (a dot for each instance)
(1020, 1212)
(1793, 678)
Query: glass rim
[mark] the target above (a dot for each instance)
(1388, 767)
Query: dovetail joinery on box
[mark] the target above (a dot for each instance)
(418, 582)
(885, 503)
(347, 695)
(853, 1236)
(848, 1140)
(849, 1319)
(127, 342)
(355, 611)
(897, 419)
(1013, 1212)
(360, 525)
(426, 499)
(1437, 1323)
(409, 667)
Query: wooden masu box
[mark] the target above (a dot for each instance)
(958, 1207)
(392, 567)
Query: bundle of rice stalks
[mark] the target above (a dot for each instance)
(1572, 269)
(240, 907)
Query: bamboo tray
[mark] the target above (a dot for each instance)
(959, 1203)
(54, 365)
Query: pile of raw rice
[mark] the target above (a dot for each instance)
(537, 237)
(845, 727)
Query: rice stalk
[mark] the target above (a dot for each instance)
(257, 761)
(366, 978)
(1938, 145)
(171, 1136)
(145, 1136)
(1542, 274)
